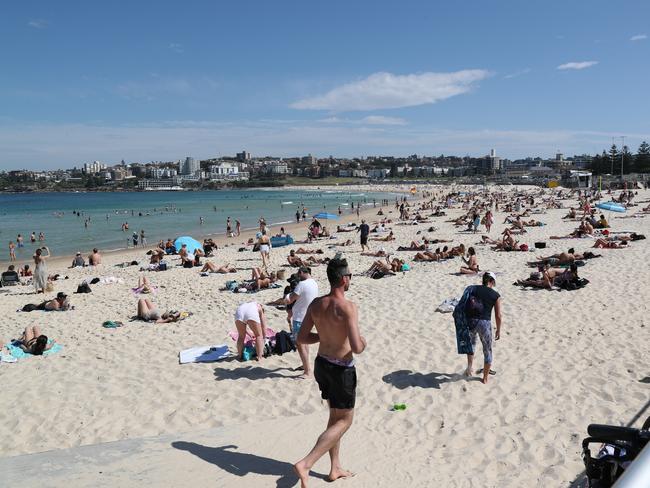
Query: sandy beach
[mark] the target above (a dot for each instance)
(565, 359)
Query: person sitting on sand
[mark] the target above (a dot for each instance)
(605, 244)
(33, 342)
(144, 286)
(294, 260)
(148, 312)
(251, 315)
(78, 261)
(169, 247)
(95, 259)
(471, 262)
(571, 215)
(213, 268)
(379, 269)
(602, 223)
(60, 303)
(25, 272)
(389, 237)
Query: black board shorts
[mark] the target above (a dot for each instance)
(364, 240)
(338, 384)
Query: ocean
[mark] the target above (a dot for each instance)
(80, 221)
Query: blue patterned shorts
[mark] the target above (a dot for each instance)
(483, 329)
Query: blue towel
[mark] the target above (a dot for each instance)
(461, 322)
(18, 353)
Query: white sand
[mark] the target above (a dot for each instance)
(565, 359)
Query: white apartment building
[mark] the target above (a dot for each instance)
(93, 168)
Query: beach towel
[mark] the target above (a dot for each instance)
(18, 353)
(249, 340)
(461, 322)
(139, 290)
(204, 354)
(447, 306)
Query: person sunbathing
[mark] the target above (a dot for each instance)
(143, 285)
(457, 250)
(349, 242)
(60, 303)
(33, 342)
(389, 237)
(148, 312)
(550, 277)
(381, 253)
(343, 229)
(415, 246)
(437, 255)
(260, 280)
(571, 215)
(302, 250)
(605, 244)
(471, 262)
(213, 268)
(294, 260)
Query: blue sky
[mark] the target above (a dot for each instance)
(159, 80)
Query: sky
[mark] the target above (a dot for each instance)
(161, 80)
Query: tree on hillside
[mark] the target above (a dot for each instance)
(628, 160)
(597, 166)
(642, 159)
(614, 156)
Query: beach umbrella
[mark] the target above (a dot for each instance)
(325, 215)
(192, 244)
(611, 206)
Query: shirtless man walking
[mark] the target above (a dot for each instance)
(338, 337)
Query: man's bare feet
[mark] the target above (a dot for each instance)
(336, 474)
(302, 472)
(305, 376)
(468, 371)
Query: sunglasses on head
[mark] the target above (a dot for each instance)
(349, 275)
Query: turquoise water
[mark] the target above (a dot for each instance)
(161, 215)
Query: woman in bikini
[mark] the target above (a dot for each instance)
(471, 262)
(33, 342)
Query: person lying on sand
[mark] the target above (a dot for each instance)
(213, 268)
(302, 250)
(60, 303)
(379, 269)
(389, 237)
(563, 258)
(437, 255)
(605, 244)
(381, 253)
(33, 342)
(415, 246)
(343, 229)
(148, 312)
(550, 277)
(349, 242)
(261, 280)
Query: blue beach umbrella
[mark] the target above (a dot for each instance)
(325, 215)
(192, 244)
(611, 206)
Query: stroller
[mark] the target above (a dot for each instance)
(619, 447)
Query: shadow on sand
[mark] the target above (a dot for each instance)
(242, 464)
(405, 378)
(250, 373)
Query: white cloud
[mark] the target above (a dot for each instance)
(638, 37)
(176, 47)
(516, 74)
(38, 23)
(577, 65)
(382, 120)
(386, 90)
